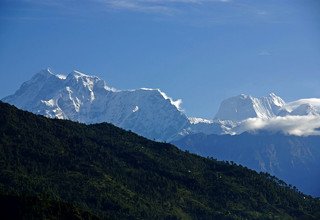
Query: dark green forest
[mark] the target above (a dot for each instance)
(59, 169)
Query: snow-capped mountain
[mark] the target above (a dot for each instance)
(232, 112)
(301, 107)
(151, 113)
(88, 99)
(246, 113)
(243, 106)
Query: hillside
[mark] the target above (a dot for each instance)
(294, 159)
(117, 174)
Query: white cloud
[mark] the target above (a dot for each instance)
(177, 103)
(293, 125)
(141, 6)
(153, 6)
(196, 12)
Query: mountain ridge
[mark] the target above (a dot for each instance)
(153, 114)
(88, 99)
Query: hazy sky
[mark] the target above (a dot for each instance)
(201, 51)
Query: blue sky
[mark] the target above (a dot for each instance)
(201, 51)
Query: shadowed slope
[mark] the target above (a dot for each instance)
(118, 174)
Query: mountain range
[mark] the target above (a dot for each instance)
(236, 132)
(153, 114)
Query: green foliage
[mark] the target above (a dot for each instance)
(117, 174)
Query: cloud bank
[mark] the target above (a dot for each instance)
(292, 125)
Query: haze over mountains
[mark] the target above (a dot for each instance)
(151, 113)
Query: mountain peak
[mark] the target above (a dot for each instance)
(244, 96)
(244, 106)
(176, 103)
(300, 107)
(77, 74)
(84, 98)
(277, 100)
(47, 72)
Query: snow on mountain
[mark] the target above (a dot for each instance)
(151, 113)
(88, 99)
(246, 113)
(243, 106)
(194, 120)
(302, 107)
(206, 126)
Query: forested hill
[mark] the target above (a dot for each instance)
(111, 173)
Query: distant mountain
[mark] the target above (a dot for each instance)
(246, 113)
(291, 158)
(150, 112)
(242, 107)
(51, 168)
(266, 134)
(88, 99)
(301, 107)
